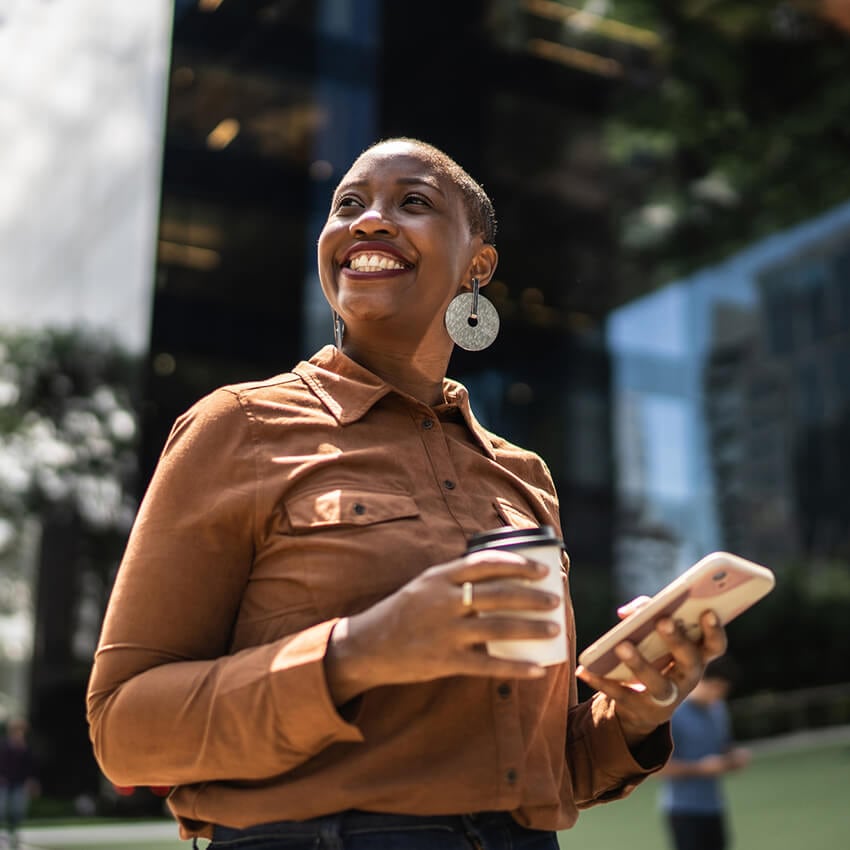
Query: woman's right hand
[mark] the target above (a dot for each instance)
(423, 631)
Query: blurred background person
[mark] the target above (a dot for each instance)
(18, 781)
(692, 797)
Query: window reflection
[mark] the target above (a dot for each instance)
(732, 410)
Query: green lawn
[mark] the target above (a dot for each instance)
(794, 799)
(58, 844)
(791, 800)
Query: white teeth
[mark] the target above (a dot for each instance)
(373, 263)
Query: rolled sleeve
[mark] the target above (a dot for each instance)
(602, 765)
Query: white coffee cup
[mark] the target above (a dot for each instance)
(538, 544)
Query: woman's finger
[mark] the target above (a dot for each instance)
(504, 595)
(651, 681)
(493, 564)
(497, 627)
(630, 607)
(714, 640)
(618, 691)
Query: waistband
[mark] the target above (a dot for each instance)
(353, 822)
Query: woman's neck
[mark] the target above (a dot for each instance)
(416, 374)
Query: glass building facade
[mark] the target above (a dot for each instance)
(673, 195)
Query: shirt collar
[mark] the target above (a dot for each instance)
(348, 390)
(457, 394)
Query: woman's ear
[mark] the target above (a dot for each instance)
(484, 264)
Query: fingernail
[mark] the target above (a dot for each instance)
(712, 619)
(624, 652)
(667, 626)
(537, 672)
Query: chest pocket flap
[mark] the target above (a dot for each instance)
(514, 516)
(347, 506)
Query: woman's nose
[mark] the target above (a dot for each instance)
(371, 221)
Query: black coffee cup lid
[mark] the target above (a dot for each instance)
(508, 537)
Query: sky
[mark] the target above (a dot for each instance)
(82, 94)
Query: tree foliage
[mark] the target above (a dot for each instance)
(68, 431)
(797, 637)
(742, 130)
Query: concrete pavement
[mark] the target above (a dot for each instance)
(97, 835)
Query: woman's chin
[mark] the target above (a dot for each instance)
(363, 311)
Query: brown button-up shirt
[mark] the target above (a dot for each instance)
(278, 507)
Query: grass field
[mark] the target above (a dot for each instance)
(793, 798)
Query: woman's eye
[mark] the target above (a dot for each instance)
(347, 201)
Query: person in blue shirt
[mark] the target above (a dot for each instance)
(692, 797)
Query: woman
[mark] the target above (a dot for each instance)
(292, 640)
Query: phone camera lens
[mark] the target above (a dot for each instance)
(719, 576)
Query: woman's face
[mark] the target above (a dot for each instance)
(397, 246)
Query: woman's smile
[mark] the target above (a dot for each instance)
(378, 259)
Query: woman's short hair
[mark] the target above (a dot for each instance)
(479, 207)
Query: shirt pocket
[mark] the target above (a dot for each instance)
(352, 546)
(349, 507)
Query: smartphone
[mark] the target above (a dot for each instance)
(724, 583)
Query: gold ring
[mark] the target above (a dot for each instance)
(466, 590)
(668, 700)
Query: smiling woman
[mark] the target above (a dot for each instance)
(406, 232)
(296, 636)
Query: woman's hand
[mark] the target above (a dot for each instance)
(645, 703)
(424, 630)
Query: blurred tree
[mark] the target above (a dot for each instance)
(68, 466)
(68, 428)
(797, 637)
(743, 130)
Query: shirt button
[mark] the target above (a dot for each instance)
(504, 690)
(511, 775)
(449, 484)
(359, 509)
(427, 424)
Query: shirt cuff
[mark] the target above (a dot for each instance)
(627, 766)
(309, 719)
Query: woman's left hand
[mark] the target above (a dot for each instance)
(650, 699)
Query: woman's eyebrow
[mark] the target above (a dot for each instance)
(421, 181)
(430, 182)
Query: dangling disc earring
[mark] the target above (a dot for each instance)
(472, 320)
(339, 330)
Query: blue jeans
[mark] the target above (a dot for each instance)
(698, 831)
(365, 831)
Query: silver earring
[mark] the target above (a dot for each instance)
(472, 320)
(339, 330)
